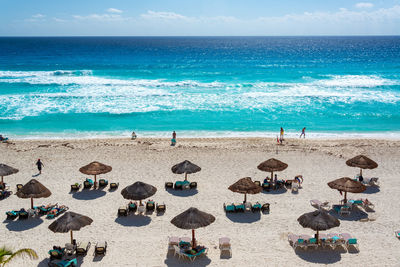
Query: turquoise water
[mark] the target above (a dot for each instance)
(223, 86)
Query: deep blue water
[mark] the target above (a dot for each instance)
(112, 85)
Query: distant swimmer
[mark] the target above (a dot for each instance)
(173, 140)
(303, 132)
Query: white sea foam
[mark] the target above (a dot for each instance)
(85, 93)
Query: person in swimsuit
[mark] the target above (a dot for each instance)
(303, 132)
(39, 165)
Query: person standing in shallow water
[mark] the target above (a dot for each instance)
(39, 165)
(303, 132)
(173, 140)
(282, 133)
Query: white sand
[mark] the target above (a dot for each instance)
(142, 241)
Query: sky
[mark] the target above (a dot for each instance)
(198, 17)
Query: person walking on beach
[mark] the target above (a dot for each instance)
(39, 165)
(282, 133)
(303, 132)
(173, 140)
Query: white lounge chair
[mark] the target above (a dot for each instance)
(309, 241)
(247, 206)
(141, 209)
(336, 240)
(295, 187)
(320, 205)
(172, 241)
(296, 241)
(177, 251)
(350, 241)
(225, 245)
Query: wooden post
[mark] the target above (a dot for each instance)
(245, 198)
(185, 176)
(345, 197)
(360, 172)
(95, 181)
(31, 202)
(72, 238)
(193, 240)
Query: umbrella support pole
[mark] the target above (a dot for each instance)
(193, 240)
(245, 198)
(2, 184)
(31, 203)
(272, 175)
(317, 236)
(72, 238)
(95, 181)
(345, 197)
(360, 172)
(185, 176)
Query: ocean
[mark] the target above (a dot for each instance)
(60, 87)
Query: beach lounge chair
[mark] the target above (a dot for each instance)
(122, 211)
(296, 241)
(23, 214)
(185, 239)
(4, 194)
(266, 186)
(239, 208)
(336, 240)
(373, 181)
(225, 245)
(229, 207)
(161, 208)
(83, 248)
(256, 207)
(19, 186)
(193, 185)
(192, 257)
(54, 212)
(265, 208)
(257, 183)
(64, 263)
(177, 251)
(12, 214)
(75, 187)
(103, 183)
(345, 210)
(178, 185)
(114, 186)
(312, 243)
(141, 209)
(185, 185)
(56, 253)
(100, 248)
(172, 241)
(349, 241)
(45, 209)
(169, 185)
(397, 233)
(88, 183)
(320, 205)
(150, 206)
(367, 205)
(132, 207)
(308, 241)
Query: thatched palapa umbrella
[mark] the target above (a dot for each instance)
(138, 191)
(272, 165)
(95, 168)
(245, 186)
(193, 219)
(362, 162)
(318, 220)
(33, 189)
(70, 221)
(347, 184)
(185, 167)
(6, 170)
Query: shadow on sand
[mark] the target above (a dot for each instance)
(279, 191)
(355, 215)
(244, 217)
(183, 193)
(23, 225)
(45, 262)
(175, 261)
(319, 256)
(133, 220)
(86, 194)
(372, 190)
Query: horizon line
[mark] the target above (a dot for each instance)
(90, 36)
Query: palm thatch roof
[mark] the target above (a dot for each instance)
(7, 170)
(245, 186)
(138, 191)
(318, 220)
(272, 165)
(70, 221)
(362, 162)
(192, 219)
(347, 184)
(33, 189)
(95, 168)
(185, 167)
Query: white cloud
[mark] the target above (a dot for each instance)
(100, 17)
(59, 20)
(114, 10)
(38, 16)
(363, 5)
(163, 15)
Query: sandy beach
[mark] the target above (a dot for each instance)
(256, 240)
